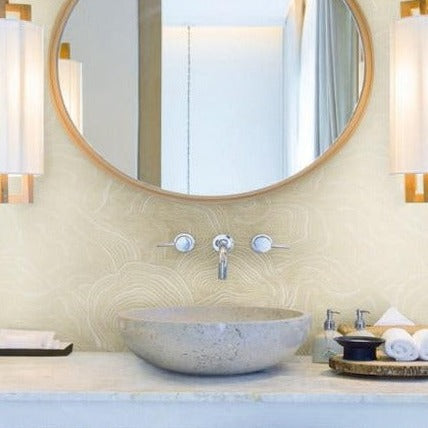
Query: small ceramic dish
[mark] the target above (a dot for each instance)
(359, 348)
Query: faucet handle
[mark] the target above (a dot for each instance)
(183, 242)
(263, 243)
(223, 240)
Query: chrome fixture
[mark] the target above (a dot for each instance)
(360, 322)
(183, 242)
(223, 244)
(264, 243)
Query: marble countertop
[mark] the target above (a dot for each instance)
(88, 376)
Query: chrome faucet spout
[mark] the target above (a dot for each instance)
(222, 263)
(223, 244)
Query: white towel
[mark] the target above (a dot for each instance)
(400, 345)
(393, 317)
(28, 339)
(421, 339)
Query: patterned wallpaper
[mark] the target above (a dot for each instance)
(87, 249)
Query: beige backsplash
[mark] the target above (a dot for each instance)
(87, 247)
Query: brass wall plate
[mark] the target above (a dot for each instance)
(406, 7)
(23, 10)
(24, 197)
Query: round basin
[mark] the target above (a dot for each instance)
(214, 340)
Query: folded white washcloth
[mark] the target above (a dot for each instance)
(421, 339)
(393, 317)
(27, 339)
(400, 345)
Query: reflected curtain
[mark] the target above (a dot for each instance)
(337, 75)
(308, 86)
(292, 54)
(320, 86)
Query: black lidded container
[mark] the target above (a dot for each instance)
(359, 348)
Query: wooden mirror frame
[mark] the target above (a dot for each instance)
(79, 139)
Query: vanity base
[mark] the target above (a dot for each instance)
(60, 414)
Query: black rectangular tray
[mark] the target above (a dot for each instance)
(37, 352)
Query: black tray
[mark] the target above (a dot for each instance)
(37, 352)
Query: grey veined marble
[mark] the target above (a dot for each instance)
(214, 340)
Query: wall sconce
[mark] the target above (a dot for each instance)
(21, 100)
(409, 99)
(70, 81)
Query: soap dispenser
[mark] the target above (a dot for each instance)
(324, 345)
(360, 325)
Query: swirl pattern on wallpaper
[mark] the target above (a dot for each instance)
(86, 249)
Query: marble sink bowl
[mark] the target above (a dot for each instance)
(214, 340)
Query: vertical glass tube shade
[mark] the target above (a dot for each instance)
(21, 97)
(70, 81)
(409, 95)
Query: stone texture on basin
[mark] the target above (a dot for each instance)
(214, 340)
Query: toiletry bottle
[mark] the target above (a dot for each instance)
(324, 345)
(360, 325)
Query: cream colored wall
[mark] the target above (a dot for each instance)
(87, 247)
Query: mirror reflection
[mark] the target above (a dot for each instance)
(206, 97)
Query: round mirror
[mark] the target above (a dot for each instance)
(215, 99)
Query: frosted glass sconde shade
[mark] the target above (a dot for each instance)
(21, 97)
(409, 95)
(70, 81)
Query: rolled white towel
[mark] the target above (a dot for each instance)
(400, 345)
(421, 339)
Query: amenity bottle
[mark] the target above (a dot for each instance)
(324, 345)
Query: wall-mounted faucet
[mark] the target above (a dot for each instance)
(183, 242)
(223, 244)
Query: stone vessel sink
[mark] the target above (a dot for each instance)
(214, 340)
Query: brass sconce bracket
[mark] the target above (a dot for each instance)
(26, 195)
(23, 10)
(411, 186)
(408, 8)
(65, 51)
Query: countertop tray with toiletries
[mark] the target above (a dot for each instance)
(64, 350)
(383, 367)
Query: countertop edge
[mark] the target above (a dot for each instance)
(215, 397)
